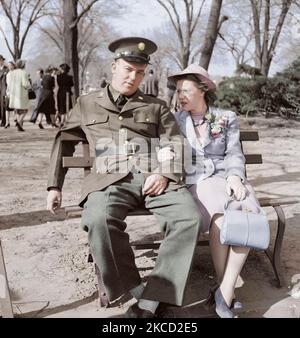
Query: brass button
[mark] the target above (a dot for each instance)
(94, 121)
(147, 120)
(120, 118)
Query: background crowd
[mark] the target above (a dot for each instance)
(51, 90)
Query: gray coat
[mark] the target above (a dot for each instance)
(221, 156)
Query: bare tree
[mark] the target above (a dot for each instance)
(238, 36)
(22, 15)
(185, 27)
(54, 28)
(71, 20)
(265, 44)
(213, 27)
(94, 33)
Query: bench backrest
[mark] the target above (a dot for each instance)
(86, 161)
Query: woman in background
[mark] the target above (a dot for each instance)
(18, 85)
(65, 84)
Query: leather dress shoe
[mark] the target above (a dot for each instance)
(135, 312)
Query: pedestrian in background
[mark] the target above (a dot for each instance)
(150, 84)
(11, 67)
(3, 72)
(18, 86)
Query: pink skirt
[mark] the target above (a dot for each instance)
(211, 197)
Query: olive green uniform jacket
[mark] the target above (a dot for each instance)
(144, 122)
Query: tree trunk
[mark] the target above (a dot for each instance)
(256, 24)
(71, 39)
(211, 34)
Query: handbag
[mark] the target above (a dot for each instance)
(31, 94)
(245, 228)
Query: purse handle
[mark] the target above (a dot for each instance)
(247, 209)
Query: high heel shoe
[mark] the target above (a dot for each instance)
(40, 126)
(222, 309)
(210, 300)
(7, 126)
(236, 306)
(19, 127)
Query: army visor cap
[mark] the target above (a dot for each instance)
(133, 49)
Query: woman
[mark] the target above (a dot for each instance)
(37, 87)
(65, 84)
(11, 66)
(46, 102)
(217, 170)
(18, 85)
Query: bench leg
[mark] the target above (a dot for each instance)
(5, 302)
(274, 256)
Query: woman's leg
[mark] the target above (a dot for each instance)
(40, 120)
(7, 113)
(236, 259)
(219, 252)
(63, 119)
(228, 260)
(21, 117)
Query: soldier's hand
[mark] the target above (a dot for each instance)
(54, 200)
(155, 185)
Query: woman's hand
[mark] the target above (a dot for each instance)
(235, 185)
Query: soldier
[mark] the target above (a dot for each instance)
(122, 125)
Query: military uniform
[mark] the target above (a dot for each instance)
(121, 138)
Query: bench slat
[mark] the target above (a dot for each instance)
(79, 136)
(263, 201)
(82, 162)
(77, 162)
(73, 136)
(247, 135)
(275, 202)
(253, 158)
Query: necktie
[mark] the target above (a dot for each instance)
(121, 101)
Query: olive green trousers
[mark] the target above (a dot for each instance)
(179, 219)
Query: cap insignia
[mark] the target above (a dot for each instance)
(141, 46)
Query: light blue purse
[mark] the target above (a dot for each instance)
(245, 228)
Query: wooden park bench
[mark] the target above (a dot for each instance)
(86, 161)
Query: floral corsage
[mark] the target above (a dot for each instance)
(217, 124)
